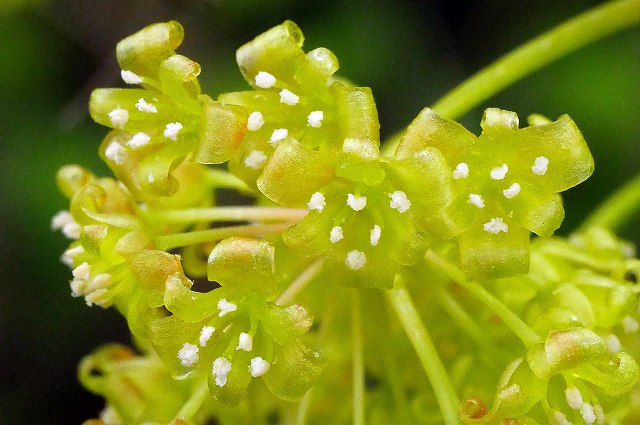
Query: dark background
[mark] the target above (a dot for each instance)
(53, 53)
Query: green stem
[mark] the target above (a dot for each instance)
(195, 402)
(565, 38)
(509, 318)
(400, 300)
(358, 358)
(224, 179)
(303, 408)
(300, 283)
(616, 211)
(167, 242)
(221, 214)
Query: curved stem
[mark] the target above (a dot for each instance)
(191, 407)
(300, 283)
(400, 300)
(510, 319)
(191, 215)
(358, 358)
(167, 242)
(616, 211)
(303, 408)
(224, 179)
(565, 38)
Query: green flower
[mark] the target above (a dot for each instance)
(302, 121)
(235, 333)
(507, 182)
(167, 120)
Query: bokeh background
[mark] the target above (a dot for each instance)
(410, 52)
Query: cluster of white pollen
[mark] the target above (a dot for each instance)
(144, 106)
(119, 117)
(220, 369)
(317, 202)
(264, 80)
(225, 307)
(68, 257)
(374, 235)
(512, 191)
(278, 135)
(139, 139)
(461, 171)
(245, 342)
(630, 325)
(495, 226)
(205, 335)
(93, 288)
(188, 355)
(357, 203)
(590, 413)
(130, 77)
(115, 152)
(315, 119)
(540, 165)
(258, 366)
(613, 343)
(64, 221)
(255, 121)
(499, 173)
(399, 201)
(560, 418)
(355, 259)
(171, 130)
(288, 97)
(336, 234)
(255, 159)
(476, 200)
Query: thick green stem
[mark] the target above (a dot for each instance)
(616, 211)
(167, 242)
(400, 300)
(303, 408)
(224, 179)
(222, 214)
(575, 33)
(357, 358)
(510, 319)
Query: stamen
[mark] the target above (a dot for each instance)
(278, 135)
(355, 259)
(630, 325)
(259, 366)
(255, 121)
(574, 398)
(115, 152)
(476, 200)
(220, 368)
(226, 307)
(130, 77)
(288, 97)
(560, 418)
(82, 272)
(357, 203)
(613, 343)
(245, 342)
(317, 202)
(540, 165)
(587, 413)
(499, 173)
(374, 236)
(315, 119)
(265, 80)
(399, 201)
(255, 160)
(205, 335)
(119, 117)
(495, 226)
(144, 106)
(461, 171)
(336, 234)
(171, 130)
(512, 191)
(188, 355)
(139, 139)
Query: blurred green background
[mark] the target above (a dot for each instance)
(53, 53)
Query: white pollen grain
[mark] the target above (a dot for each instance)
(512, 191)
(245, 342)
(317, 202)
(613, 343)
(574, 398)
(226, 307)
(336, 234)
(264, 80)
(374, 235)
(499, 173)
(115, 153)
(188, 355)
(119, 117)
(495, 226)
(255, 121)
(82, 272)
(315, 119)
(399, 201)
(255, 160)
(144, 106)
(130, 77)
(357, 203)
(476, 200)
(61, 219)
(205, 335)
(540, 165)
(220, 369)
(355, 259)
(288, 97)
(138, 140)
(461, 171)
(278, 135)
(258, 367)
(587, 413)
(171, 130)
(630, 325)
(560, 418)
